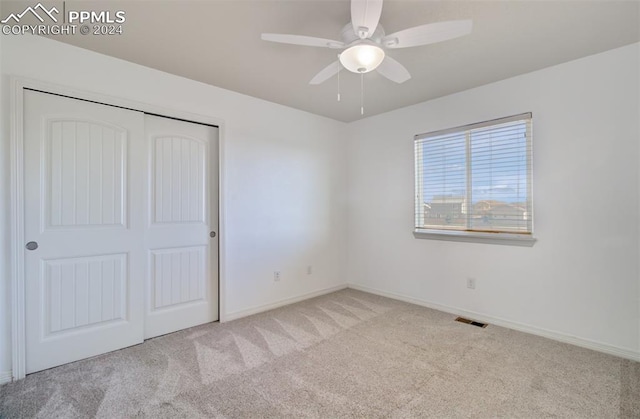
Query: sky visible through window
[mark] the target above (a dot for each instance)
(498, 165)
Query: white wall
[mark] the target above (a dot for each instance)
(284, 171)
(5, 320)
(580, 282)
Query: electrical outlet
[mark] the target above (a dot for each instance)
(276, 276)
(309, 270)
(471, 283)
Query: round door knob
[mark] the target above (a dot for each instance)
(31, 245)
(212, 234)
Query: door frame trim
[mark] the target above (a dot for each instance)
(17, 260)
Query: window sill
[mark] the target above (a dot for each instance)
(472, 237)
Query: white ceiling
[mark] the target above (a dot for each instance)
(218, 43)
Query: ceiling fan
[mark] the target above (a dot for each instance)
(364, 42)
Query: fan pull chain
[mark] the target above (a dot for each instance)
(361, 93)
(339, 85)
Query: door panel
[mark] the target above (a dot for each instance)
(182, 287)
(85, 291)
(85, 174)
(84, 282)
(178, 276)
(179, 179)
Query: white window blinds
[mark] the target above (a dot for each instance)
(475, 178)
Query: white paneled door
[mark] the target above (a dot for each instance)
(117, 227)
(84, 281)
(182, 287)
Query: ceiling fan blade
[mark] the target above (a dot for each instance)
(326, 73)
(428, 34)
(309, 41)
(365, 15)
(393, 70)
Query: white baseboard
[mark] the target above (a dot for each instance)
(266, 307)
(5, 377)
(550, 334)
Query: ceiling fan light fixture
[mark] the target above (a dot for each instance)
(362, 58)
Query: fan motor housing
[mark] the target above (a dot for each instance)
(349, 36)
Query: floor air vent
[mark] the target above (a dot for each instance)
(471, 322)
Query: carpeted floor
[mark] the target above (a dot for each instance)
(346, 354)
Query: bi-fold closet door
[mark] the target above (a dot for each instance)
(120, 215)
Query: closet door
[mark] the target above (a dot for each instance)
(85, 173)
(181, 237)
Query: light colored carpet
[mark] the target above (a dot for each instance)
(346, 354)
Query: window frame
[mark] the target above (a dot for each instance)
(469, 235)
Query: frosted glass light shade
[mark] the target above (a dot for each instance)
(362, 58)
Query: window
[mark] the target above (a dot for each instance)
(475, 180)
